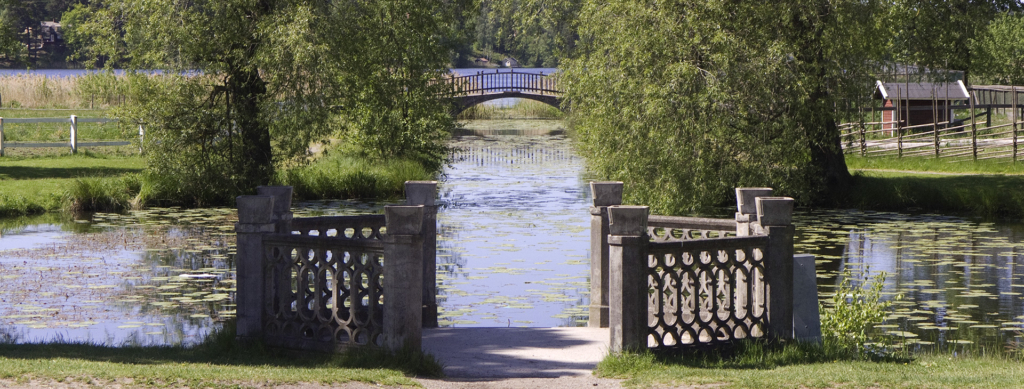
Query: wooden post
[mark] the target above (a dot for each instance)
(1, 136)
(1014, 102)
(935, 121)
(974, 128)
(899, 122)
(863, 140)
(74, 134)
(142, 137)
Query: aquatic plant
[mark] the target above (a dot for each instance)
(854, 309)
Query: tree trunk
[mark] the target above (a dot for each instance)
(254, 164)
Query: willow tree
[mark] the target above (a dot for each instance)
(684, 100)
(251, 82)
(1000, 51)
(9, 44)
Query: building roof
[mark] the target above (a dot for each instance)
(920, 91)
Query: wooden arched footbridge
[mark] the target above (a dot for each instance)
(485, 86)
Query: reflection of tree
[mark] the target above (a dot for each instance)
(11, 334)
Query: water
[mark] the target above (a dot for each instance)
(513, 251)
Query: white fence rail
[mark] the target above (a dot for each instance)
(73, 142)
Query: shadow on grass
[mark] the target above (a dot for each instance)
(223, 349)
(989, 196)
(31, 172)
(747, 354)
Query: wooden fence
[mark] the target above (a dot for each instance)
(972, 136)
(73, 141)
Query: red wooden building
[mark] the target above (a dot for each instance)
(919, 102)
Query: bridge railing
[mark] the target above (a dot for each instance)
(500, 82)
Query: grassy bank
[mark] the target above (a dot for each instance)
(522, 109)
(219, 362)
(801, 367)
(986, 188)
(40, 184)
(90, 181)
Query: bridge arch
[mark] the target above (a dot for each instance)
(465, 102)
(473, 89)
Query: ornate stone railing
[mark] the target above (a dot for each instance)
(323, 293)
(669, 282)
(706, 291)
(679, 228)
(349, 227)
(330, 283)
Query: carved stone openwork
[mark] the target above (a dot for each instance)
(677, 229)
(323, 293)
(350, 227)
(704, 292)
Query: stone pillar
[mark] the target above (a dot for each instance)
(403, 277)
(627, 255)
(604, 194)
(746, 209)
(423, 193)
(775, 215)
(806, 318)
(282, 215)
(254, 220)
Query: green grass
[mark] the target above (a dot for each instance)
(926, 164)
(219, 362)
(522, 109)
(35, 185)
(348, 175)
(804, 367)
(59, 132)
(989, 196)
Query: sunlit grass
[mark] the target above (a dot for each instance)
(220, 361)
(804, 366)
(341, 175)
(34, 185)
(942, 165)
(522, 109)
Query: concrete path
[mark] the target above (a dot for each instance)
(496, 353)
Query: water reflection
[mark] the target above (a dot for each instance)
(514, 234)
(961, 281)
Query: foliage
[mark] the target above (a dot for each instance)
(854, 309)
(10, 47)
(941, 34)
(685, 100)
(269, 79)
(345, 175)
(92, 194)
(537, 33)
(395, 60)
(1000, 55)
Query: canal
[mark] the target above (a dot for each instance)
(512, 251)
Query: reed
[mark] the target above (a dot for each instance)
(95, 90)
(522, 109)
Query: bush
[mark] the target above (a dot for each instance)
(847, 320)
(353, 176)
(104, 194)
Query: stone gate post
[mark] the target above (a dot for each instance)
(423, 193)
(403, 277)
(604, 194)
(775, 215)
(627, 256)
(254, 220)
(282, 215)
(746, 209)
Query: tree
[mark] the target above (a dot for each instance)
(268, 77)
(9, 44)
(685, 100)
(941, 34)
(1000, 51)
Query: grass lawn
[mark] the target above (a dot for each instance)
(38, 182)
(930, 371)
(986, 189)
(219, 362)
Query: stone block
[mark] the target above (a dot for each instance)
(806, 318)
